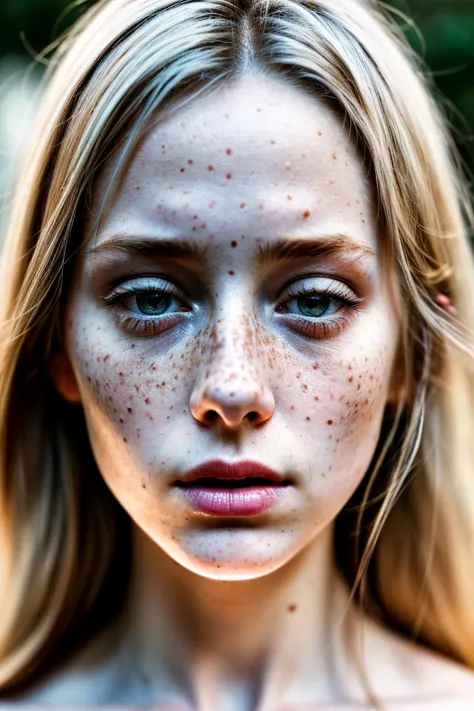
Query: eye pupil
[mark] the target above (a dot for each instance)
(318, 304)
(152, 304)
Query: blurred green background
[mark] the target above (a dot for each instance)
(444, 37)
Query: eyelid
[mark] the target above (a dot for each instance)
(146, 284)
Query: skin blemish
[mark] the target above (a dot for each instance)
(129, 410)
(289, 197)
(306, 214)
(229, 151)
(334, 156)
(329, 422)
(292, 607)
(320, 133)
(147, 400)
(261, 206)
(190, 161)
(228, 176)
(182, 170)
(210, 168)
(125, 439)
(242, 205)
(233, 243)
(231, 272)
(212, 204)
(137, 187)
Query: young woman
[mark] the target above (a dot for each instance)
(237, 370)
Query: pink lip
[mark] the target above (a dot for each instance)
(245, 501)
(208, 497)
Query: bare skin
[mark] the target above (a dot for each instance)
(225, 614)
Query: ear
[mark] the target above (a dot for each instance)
(63, 378)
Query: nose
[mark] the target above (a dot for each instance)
(232, 388)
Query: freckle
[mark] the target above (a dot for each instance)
(190, 161)
(289, 197)
(349, 380)
(229, 151)
(242, 205)
(315, 366)
(329, 422)
(316, 398)
(132, 346)
(292, 607)
(210, 167)
(308, 419)
(147, 400)
(143, 486)
(228, 176)
(182, 170)
(292, 407)
(233, 243)
(306, 214)
(137, 187)
(203, 226)
(124, 439)
(320, 133)
(231, 272)
(129, 410)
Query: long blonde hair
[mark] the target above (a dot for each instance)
(414, 510)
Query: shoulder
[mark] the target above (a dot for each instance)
(416, 678)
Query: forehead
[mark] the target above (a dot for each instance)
(257, 157)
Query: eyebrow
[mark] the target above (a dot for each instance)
(267, 251)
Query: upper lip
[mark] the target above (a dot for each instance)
(219, 469)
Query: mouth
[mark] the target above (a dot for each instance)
(217, 483)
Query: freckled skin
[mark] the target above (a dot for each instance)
(230, 377)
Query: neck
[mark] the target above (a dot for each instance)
(236, 643)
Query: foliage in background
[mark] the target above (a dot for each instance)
(447, 45)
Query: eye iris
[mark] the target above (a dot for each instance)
(152, 304)
(318, 304)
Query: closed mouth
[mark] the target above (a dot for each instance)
(216, 483)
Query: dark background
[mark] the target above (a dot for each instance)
(447, 45)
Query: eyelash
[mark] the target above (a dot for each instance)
(322, 327)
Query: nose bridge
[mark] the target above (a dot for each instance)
(233, 349)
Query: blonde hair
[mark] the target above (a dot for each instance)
(414, 510)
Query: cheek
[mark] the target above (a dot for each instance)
(128, 398)
(338, 403)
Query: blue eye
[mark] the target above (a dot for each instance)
(152, 303)
(315, 305)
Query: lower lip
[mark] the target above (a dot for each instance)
(244, 501)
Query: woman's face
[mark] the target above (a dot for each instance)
(242, 352)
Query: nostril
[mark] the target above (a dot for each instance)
(211, 416)
(252, 416)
